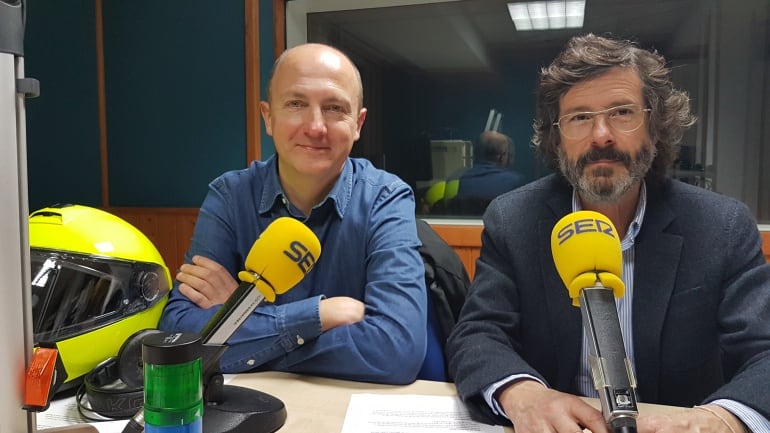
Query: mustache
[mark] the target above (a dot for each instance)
(606, 154)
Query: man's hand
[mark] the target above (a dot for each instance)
(205, 282)
(710, 418)
(533, 408)
(340, 310)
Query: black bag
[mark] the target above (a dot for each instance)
(445, 277)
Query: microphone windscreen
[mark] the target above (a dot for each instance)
(282, 255)
(585, 243)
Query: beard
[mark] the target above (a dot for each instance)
(597, 185)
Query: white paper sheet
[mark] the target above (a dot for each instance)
(378, 413)
(64, 412)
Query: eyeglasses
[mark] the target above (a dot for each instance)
(623, 118)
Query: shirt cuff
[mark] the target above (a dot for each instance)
(489, 392)
(751, 418)
(299, 322)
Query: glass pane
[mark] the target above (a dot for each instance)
(438, 74)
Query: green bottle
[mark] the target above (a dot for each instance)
(173, 392)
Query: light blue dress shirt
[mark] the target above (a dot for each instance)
(369, 243)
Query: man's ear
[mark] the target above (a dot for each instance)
(360, 123)
(264, 108)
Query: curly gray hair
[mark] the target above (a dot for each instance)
(588, 56)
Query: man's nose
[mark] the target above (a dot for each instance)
(601, 131)
(314, 122)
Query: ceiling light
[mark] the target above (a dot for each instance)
(547, 15)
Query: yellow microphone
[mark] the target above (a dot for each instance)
(282, 255)
(279, 259)
(587, 254)
(586, 247)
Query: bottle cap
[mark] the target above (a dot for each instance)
(171, 348)
(173, 392)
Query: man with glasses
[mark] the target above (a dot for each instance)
(694, 315)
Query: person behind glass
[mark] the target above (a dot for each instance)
(490, 176)
(361, 313)
(694, 315)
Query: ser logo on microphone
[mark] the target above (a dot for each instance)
(585, 225)
(300, 255)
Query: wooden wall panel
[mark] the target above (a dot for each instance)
(466, 241)
(468, 256)
(185, 226)
(171, 230)
(461, 236)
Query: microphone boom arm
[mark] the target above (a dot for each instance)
(616, 386)
(241, 303)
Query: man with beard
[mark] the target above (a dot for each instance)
(693, 316)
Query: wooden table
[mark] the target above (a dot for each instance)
(318, 405)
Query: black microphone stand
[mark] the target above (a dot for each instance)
(228, 408)
(613, 376)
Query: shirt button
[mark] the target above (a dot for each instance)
(300, 340)
(251, 362)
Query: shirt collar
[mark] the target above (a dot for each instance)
(636, 223)
(272, 191)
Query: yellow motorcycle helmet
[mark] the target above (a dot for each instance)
(96, 280)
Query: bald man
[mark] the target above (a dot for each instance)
(490, 176)
(361, 313)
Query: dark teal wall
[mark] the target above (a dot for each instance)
(266, 57)
(62, 123)
(175, 96)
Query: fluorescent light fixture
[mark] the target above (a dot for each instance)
(547, 15)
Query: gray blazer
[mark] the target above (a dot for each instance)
(701, 304)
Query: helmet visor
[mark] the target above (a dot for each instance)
(73, 294)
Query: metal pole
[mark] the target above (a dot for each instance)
(15, 291)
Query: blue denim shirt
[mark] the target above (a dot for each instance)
(369, 243)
